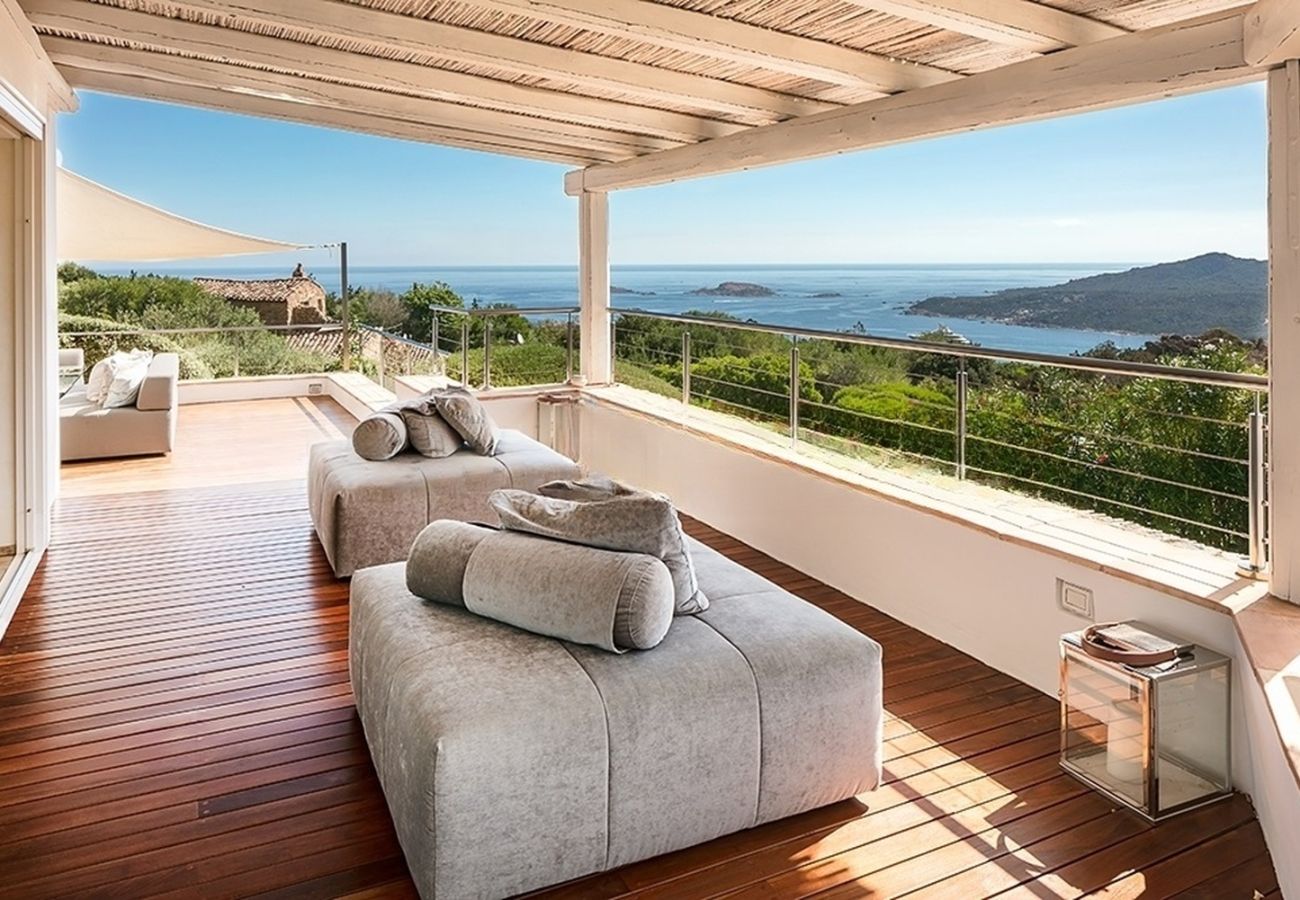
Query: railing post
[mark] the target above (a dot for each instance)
(960, 454)
(686, 368)
(1256, 561)
(487, 352)
(794, 391)
(613, 348)
(433, 334)
(381, 360)
(464, 353)
(568, 348)
(346, 355)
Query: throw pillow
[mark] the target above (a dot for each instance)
(379, 436)
(430, 435)
(124, 389)
(101, 374)
(629, 520)
(465, 413)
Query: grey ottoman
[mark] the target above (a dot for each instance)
(512, 761)
(367, 513)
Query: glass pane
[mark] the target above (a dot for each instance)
(11, 425)
(1103, 726)
(1192, 736)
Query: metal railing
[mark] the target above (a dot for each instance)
(480, 348)
(384, 356)
(1188, 458)
(229, 352)
(1179, 449)
(474, 346)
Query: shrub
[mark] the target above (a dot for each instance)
(97, 347)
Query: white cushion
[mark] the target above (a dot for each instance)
(128, 375)
(101, 376)
(104, 371)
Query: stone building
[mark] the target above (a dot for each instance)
(296, 300)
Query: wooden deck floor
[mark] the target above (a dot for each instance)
(175, 721)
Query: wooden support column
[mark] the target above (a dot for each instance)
(1284, 327)
(593, 287)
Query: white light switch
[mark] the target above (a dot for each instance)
(1074, 599)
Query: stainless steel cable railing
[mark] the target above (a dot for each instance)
(1069, 428)
(1186, 453)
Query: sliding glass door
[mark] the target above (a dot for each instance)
(12, 230)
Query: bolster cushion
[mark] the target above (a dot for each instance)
(435, 570)
(611, 600)
(380, 436)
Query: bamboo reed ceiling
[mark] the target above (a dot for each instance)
(552, 79)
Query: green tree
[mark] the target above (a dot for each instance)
(754, 386)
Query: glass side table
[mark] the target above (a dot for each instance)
(1155, 739)
(69, 377)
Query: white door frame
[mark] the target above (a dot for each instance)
(31, 358)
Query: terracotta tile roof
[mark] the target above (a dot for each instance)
(266, 290)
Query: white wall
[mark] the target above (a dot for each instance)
(1277, 796)
(995, 600)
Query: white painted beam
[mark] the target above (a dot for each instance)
(729, 40)
(29, 82)
(1272, 32)
(242, 80)
(593, 288)
(254, 105)
(652, 85)
(1284, 328)
(1145, 65)
(216, 43)
(1023, 24)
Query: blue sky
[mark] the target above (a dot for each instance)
(1147, 183)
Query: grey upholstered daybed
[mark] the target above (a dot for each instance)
(368, 512)
(511, 761)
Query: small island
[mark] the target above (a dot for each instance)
(826, 295)
(615, 289)
(735, 289)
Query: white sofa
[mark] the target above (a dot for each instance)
(149, 427)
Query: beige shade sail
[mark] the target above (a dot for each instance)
(96, 223)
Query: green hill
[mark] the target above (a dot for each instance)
(1191, 296)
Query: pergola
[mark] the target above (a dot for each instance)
(638, 93)
(633, 93)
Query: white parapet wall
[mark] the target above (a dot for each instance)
(994, 599)
(515, 408)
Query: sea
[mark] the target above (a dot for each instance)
(874, 298)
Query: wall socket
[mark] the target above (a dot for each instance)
(1075, 599)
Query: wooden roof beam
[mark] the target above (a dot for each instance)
(288, 110)
(215, 42)
(1146, 65)
(1272, 32)
(1022, 24)
(650, 84)
(309, 92)
(729, 40)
